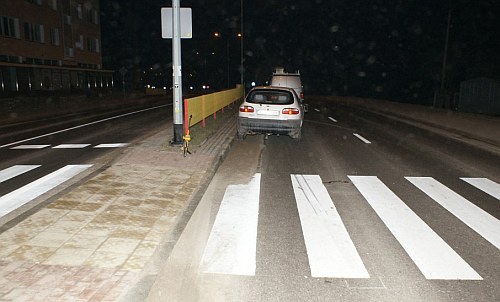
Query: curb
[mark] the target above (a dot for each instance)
(148, 276)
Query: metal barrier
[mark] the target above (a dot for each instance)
(200, 107)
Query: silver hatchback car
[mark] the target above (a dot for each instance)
(271, 110)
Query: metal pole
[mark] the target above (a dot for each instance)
(177, 73)
(445, 56)
(241, 46)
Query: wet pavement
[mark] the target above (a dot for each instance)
(106, 239)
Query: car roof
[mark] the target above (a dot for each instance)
(280, 71)
(272, 88)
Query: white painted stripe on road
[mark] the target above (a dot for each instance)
(332, 119)
(364, 140)
(486, 185)
(84, 125)
(25, 194)
(71, 146)
(317, 110)
(330, 250)
(434, 258)
(117, 145)
(14, 171)
(232, 244)
(476, 218)
(27, 147)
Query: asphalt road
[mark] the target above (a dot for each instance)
(67, 147)
(364, 208)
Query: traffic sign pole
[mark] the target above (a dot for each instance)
(177, 73)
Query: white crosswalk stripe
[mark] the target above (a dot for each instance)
(486, 185)
(231, 247)
(116, 145)
(28, 147)
(69, 146)
(232, 244)
(434, 257)
(330, 250)
(473, 216)
(14, 171)
(27, 193)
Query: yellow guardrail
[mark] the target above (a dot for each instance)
(200, 107)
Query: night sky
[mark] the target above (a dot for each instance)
(384, 49)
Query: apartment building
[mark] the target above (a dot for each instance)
(51, 45)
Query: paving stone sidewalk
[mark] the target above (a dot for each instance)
(93, 243)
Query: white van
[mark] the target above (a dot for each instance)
(287, 79)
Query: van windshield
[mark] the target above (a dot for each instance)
(270, 97)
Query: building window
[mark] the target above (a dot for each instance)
(9, 27)
(92, 45)
(53, 4)
(92, 16)
(33, 32)
(39, 2)
(79, 11)
(79, 43)
(54, 37)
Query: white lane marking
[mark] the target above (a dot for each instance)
(71, 146)
(317, 110)
(330, 250)
(27, 147)
(116, 145)
(364, 140)
(232, 244)
(14, 171)
(476, 218)
(332, 119)
(81, 126)
(431, 254)
(25, 194)
(486, 185)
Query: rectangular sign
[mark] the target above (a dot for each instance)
(166, 23)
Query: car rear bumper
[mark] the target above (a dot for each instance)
(268, 126)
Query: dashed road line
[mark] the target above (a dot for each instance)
(364, 140)
(27, 147)
(115, 145)
(83, 125)
(71, 146)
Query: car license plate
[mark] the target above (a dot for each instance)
(268, 112)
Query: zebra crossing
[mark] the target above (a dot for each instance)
(23, 195)
(68, 146)
(231, 246)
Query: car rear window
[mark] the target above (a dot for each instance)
(270, 97)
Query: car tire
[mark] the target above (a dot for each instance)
(241, 133)
(296, 134)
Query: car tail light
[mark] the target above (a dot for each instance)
(246, 109)
(291, 111)
(302, 95)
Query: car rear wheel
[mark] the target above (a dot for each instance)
(241, 133)
(296, 134)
